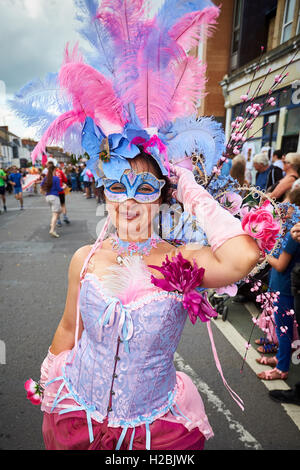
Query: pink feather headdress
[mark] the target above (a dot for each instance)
(140, 75)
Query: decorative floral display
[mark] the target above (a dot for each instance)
(34, 391)
(181, 276)
(261, 224)
(232, 202)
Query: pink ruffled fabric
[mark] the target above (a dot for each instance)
(188, 401)
(62, 432)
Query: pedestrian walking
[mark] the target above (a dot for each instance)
(50, 186)
(3, 178)
(16, 179)
(62, 194)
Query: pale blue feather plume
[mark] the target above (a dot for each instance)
(39, 102)
(172, 10)
(103, 52)
(187, 135)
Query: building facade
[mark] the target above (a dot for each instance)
(266, 34)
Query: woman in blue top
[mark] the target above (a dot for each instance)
(51, 187)
(280, 280)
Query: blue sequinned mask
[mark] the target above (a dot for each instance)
(143, 187)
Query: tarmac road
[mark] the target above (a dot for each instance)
(33, 283)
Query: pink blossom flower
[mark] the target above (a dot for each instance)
(261, 225)
(181, 276)
(244, 97)
(230, 290)
(232, 202)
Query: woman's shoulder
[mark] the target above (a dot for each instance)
(78, 259)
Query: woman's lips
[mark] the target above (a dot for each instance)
(129, 215)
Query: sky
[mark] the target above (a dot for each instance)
(33, 34)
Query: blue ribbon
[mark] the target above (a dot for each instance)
(88, 411)
(125, 321)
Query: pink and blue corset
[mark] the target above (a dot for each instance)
(123, 366)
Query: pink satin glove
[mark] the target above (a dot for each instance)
(45, 367)
(217, 223)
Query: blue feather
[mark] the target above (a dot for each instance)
(39, 102)
(188, 135)
(172, 10)
(103, 51)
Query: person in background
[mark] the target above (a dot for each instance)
(62, 196)
(280, 281)
(87, 181)
(3, 178)
(293, 395)
(277, 158)
(238, 170)
(73, 179)
(16, 179)
(267, 175)
(291, 167)
(50, 186)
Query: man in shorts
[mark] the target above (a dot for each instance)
(16, 179)
(2, 187)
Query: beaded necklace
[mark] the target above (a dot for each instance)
(125, 248)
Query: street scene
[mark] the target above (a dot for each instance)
(33, 289)
(150, 226)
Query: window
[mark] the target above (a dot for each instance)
(236, 32)
(288, 20)
(292, 121)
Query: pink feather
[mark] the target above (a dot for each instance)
(151, 96)
(194, 26)
(188, 88)
(122, 19)
(56, 131)
(90, 91)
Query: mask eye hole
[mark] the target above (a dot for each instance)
(145, 188)
(117, 188)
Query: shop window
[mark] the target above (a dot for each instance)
(292, 121)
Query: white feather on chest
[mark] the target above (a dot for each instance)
(128, 281)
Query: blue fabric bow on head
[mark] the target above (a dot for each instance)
(120, 150)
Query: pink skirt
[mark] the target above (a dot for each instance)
(69, 431)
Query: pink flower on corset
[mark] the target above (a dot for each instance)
(181, 276)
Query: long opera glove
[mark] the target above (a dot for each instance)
(217, 223)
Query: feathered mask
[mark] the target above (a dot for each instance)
(138, 87)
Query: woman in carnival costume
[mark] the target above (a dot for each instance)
(108, 381)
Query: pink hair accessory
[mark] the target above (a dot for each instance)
(154, 141)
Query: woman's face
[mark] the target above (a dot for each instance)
(133, 202)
